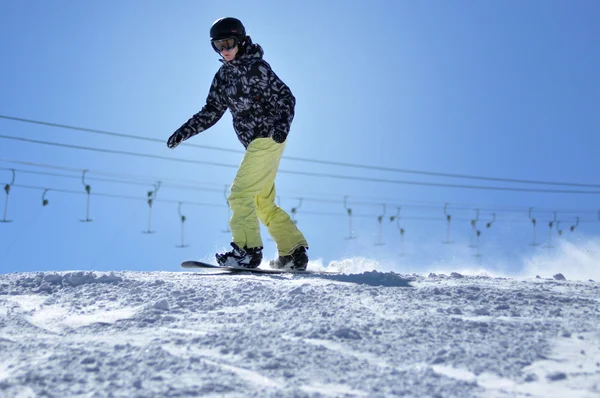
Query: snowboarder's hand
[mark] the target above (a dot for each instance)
(175, 139)
(279, 137)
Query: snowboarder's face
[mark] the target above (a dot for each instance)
(228, 48)
(229, 55)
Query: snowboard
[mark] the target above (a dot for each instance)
(200, 264)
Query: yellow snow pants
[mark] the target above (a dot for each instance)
(252, 198)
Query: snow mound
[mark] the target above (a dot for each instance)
(46, 281)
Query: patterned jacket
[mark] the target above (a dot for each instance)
(260, 103)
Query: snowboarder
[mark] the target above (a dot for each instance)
(262, 107)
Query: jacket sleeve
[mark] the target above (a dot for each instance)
(284, 103)
(209, 115)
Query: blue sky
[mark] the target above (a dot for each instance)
(494, 89)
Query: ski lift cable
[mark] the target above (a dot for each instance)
(214, 205)
(137, 180)
(310, 160)
(309, 174)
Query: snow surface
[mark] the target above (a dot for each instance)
(364, 334)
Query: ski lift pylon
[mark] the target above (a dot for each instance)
(7, 188)
(88, 191)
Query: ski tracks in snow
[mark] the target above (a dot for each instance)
(183, 334)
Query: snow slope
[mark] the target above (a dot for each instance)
(370, 334)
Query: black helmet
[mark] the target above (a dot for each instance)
(224, 28)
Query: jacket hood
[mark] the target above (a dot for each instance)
(253, 51)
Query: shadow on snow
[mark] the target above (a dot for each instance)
(372, 278)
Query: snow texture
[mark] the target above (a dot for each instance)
(368, 334)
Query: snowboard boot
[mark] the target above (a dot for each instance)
(238, 257)
(297, 261)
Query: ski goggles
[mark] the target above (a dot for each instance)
(224, 44)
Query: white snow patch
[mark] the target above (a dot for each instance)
(216, 358)
(333, 390)
(573, 370)
(453, 373)
(4, 374)
(48, 318)
(27, 302)
(25, 392)
(355, 334)
(55, 317)
(346, 350)
(574, 365)
(203, 331)
(110, 316)
(248, 375)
